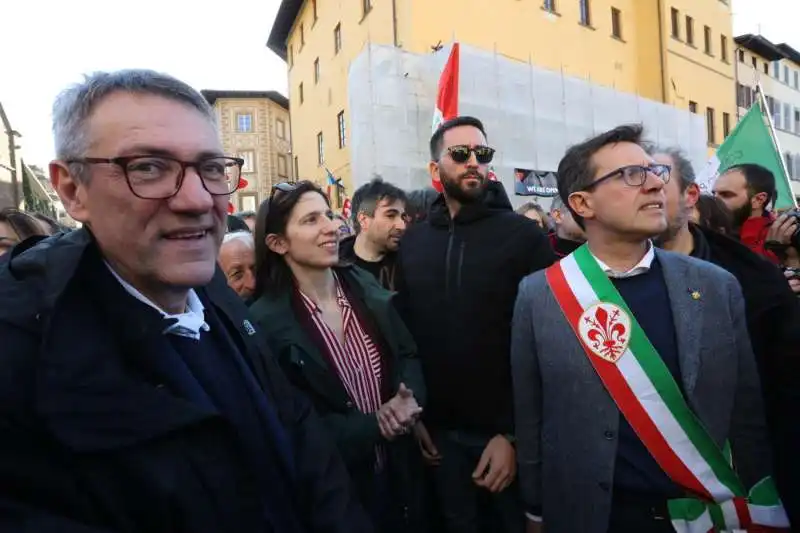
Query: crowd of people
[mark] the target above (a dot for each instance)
(626, 361)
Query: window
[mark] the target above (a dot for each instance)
(314, 9)
(786, 75)
(244, 122)
(796, 120)
(788, 158)
(796, 80)
(282, 166)
(296, 167)
(689, 30)
(290, 56)
(723, 48)
(320, 149)
(726, 125)
(302, 36)
(707, 35)
(341, 128)
(316, 70)
(549, 5)
(302, 96)
(249, 160)
(710, 125)
(744, 95)
(586, 15)
(787, 117)
(280, 128)
(766, 66)
(775, 110)
(693, 106)
(741, 56)
(676, 30)
(367, 6)
(754, 60)
(776, 70)
(616, 23)
(248, 201)
(337, 38)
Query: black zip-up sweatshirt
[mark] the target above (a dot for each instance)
(457, 289)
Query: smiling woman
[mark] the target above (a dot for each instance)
(339, 339)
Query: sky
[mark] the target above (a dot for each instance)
(222, 46)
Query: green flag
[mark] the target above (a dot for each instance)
(750, 142)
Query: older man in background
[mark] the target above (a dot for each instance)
(237, 258)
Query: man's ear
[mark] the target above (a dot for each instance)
(582, 204)
(363, 220)
(759, 201)
(70, 190)
(433, 170)
(691, 195)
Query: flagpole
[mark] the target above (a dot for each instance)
(771, 127)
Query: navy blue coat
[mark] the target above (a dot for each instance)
(90, 443)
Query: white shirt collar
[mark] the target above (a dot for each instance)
(189, 323)
(640, 268)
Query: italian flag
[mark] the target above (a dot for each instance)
(447, 98)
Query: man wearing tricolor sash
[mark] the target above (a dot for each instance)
(634, 380)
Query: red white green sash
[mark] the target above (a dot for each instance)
(650, 400)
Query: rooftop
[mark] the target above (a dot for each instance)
(212, 96)
(761, 46)
(284, 20)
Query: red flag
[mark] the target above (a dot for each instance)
(346, 208)
(447, 99)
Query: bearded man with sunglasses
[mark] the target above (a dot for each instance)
(634, 378)
(135, 393)
(459, 275)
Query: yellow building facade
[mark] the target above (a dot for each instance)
(256, 127)
(634, 46)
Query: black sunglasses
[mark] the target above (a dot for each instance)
(634, 175)
(461, 153)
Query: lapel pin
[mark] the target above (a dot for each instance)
(248, 328)
(695, 295)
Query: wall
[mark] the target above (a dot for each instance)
(263, 142)
(531, 114)
(323, 101)
(524, 31)
(691, 74)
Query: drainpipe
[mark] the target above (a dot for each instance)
(395, 34)
(736, 80)
(661, 53)
(12, 157)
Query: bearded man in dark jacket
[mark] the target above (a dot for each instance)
(459, 273)
(773, 320)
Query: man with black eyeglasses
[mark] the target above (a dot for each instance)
(459, 275)
(135, 393)
(634, 379)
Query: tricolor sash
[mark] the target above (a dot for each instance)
(646, 394)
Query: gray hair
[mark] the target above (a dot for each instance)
(243, 236)
(74, 106)
(682, 164)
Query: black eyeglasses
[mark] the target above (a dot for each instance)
(277, 190)
(461, 153)
(634, 175)
(161, 177)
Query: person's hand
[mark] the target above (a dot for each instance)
(497, 466)
(398, 415)
(794, 283)
(426, 446)
(782, 229)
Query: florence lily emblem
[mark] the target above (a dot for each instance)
(605, 329)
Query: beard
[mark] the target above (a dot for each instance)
(741, 214)
(456, 188)
(674, 226)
